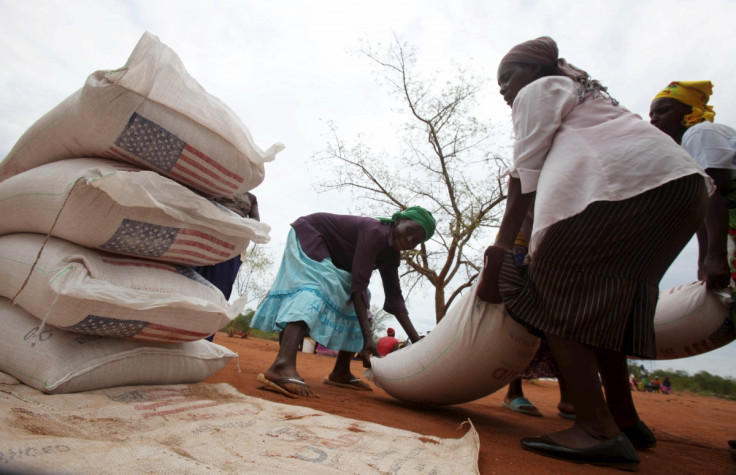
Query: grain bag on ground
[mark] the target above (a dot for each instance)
(476, 349)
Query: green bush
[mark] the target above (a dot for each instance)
(701, 383)
(241, 323)
(272, 336)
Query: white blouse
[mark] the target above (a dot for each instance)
(712, 146)
(574, 154)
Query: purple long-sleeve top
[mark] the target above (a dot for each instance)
(358, 245)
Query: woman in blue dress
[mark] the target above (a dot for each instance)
(322, 287)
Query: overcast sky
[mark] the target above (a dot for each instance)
(286, 67)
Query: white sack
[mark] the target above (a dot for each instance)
(86, 291)
(118, 208)
(55, 361)
(691, 320)
(208, 429)
(153, 114)
(476, 349)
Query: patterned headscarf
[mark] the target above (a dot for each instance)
(544, 51)
(418, 214)
(694, 94)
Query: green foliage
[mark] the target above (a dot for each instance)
(272, 336)
(701, 383)
(241, 324)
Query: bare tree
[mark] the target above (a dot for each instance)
(379, 322)
(255, 274)
(445, 164)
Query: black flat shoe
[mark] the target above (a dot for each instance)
(617, 452)
(640, 436)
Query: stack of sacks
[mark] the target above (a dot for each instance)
(106, 203)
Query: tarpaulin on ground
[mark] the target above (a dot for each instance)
(210, 428)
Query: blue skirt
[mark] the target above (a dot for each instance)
(317, 293)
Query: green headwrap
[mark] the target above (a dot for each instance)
(418, 214)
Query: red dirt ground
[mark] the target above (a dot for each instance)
(691, 430)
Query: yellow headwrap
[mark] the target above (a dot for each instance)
(694, 94)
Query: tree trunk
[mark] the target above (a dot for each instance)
(439, 303)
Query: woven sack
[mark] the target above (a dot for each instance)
(94, 293)
(154, 114)
(691, 320)
(476, 349)
(118, 208)
(55, 361)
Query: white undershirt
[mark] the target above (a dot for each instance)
(712, 146)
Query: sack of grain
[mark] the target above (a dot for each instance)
(475, 350)
(153, 114)
(94, 293)
(119, 208)
(691, 320)
(55, 362)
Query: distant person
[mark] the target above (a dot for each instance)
(632, 382)
(322, 286)
(223, 274)
(388, 343)
(614, 204)
(666, 385)
(654, 385)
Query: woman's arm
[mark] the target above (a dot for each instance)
(517, 207)
(395, 304)
(713, 265)
(369, 346)
(408, 327)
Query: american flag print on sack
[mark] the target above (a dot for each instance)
(145, 142)
(188, 246)
(132, 330)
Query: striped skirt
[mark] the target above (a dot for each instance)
(594, 278)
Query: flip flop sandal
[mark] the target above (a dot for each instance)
(355, 383)
(523, 405)
(275, 386)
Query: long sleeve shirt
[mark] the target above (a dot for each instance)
(358, 245)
